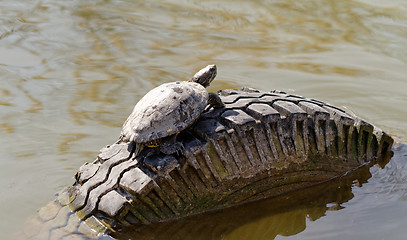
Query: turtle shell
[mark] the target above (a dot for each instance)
(164, 111)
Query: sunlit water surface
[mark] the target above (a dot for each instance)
(71, 72)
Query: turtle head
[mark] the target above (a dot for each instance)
(205, 75)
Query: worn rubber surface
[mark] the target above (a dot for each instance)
(261, 144)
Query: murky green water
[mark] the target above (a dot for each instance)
(71, 72)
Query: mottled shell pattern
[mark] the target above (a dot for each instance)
(164, 111)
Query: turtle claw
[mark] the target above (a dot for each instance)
(181, 149)
(139, 148)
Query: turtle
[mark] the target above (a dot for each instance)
(167, 110)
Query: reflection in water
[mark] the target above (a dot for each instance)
(377, 210)
(71, 72)
(285, 215)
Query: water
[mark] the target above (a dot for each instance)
(71, 72)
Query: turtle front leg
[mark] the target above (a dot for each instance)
(215, 101)
(170, 145)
